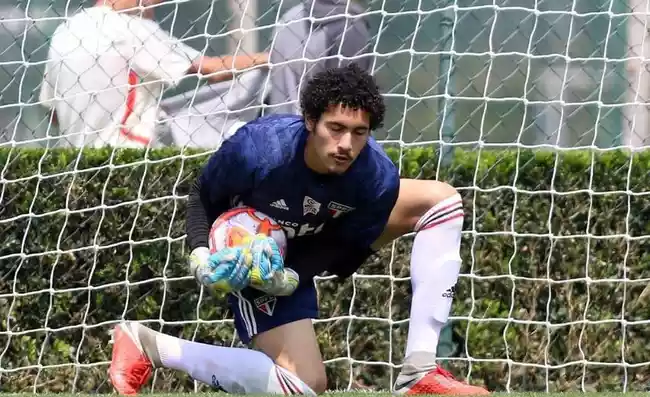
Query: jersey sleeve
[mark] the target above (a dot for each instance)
(158, 53)
(230, 171)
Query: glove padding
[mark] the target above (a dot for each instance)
(198, 259)
(225, 271)
(268, 273)
(267, 260)
(282, 283)
(228, 270)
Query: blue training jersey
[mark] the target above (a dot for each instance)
(262, 166)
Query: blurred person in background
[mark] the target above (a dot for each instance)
(107, 68)
(300, 47)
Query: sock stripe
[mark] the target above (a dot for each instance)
(448, 210)
(439, 215)
(286, 382)
(281, 380)
(291, 385)
(432, 215)
(441, 221)
(458, 202)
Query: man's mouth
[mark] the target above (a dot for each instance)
(341, 159)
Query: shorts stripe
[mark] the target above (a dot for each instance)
(243, 312)
(251, 315)
(247, 314)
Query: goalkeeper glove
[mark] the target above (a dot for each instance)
(225, 271)
(257, 262)
(198, 259)
(268, 273)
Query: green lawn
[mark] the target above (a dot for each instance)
(342, 394)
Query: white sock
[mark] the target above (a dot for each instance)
(235, 370)
(435, 265)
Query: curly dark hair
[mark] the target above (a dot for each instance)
(348, 86)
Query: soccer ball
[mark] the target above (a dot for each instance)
(235, 226)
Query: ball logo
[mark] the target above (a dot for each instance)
(236, 235)
(265, 226)
(232, 228)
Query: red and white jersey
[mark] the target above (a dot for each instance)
(105, 75)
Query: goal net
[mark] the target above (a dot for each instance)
(523, 105)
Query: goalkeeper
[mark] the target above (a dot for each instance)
(339, 197)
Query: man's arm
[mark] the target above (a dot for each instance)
(217, 69)
(229, 172)
(200, 215)
(169, 59)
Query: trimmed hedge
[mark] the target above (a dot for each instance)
(553, 290)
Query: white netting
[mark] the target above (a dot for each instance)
(552, 295)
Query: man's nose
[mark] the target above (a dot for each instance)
(345, 142)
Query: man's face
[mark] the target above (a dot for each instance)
(132, 5)
(148, 7)
(336, 139)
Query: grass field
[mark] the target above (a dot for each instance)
(341, 394)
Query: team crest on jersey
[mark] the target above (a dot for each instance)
(265, 304)
(310, 206)
(337, 209)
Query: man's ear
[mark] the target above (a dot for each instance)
(310, 124)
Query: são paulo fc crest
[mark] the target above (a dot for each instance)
(266, 304)
(310, 206)
(337, 209)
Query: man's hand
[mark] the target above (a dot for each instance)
(199, 258)
(225, 271)
(282, 283)
(268, 273)
(267, 259)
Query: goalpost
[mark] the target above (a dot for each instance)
(528, 107)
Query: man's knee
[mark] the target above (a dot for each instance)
(416, 198)
(311, 374)
(439, 202)
(426, 194)
(293, 346)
